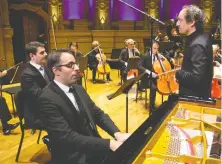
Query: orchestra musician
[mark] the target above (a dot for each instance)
(74, 46)
(93, 62)
(34, 78)
(5, 115)
(216, 55)
(145, 65)
(77, 54)
(70, 116)
(125, 54)
(196, 73)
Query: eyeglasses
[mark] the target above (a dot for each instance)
(68, 65)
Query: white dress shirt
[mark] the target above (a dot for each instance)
(131, 53)
(68, 94)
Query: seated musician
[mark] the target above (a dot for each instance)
(34, 78)
(5, 115)
(146, 64)
(71, 117)
(77, 54)
(125, 54)
(93, 62)
(216, 55)
(75, 49)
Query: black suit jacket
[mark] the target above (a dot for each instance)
(145, 63)
(124, 55)
(70, 142)
(32, 83)
(195, 76)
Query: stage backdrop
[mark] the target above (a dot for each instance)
(85, 9)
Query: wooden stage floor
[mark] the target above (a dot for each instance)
(116, 108)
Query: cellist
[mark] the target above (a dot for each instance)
(93, 62)
(129, 51)
(146, 66)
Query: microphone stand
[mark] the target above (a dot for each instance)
(152, 20)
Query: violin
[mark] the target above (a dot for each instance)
(166, 83)
(103, 67)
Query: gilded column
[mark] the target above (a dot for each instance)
(207, 7)
(102, 19)
(6, 52)
(152, 8)
(55, 12)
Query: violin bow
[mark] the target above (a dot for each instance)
(91, 51)
(173, 70)
(14, 66)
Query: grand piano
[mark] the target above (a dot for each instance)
(182, 130)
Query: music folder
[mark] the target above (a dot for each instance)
(124, 89)
(132, 62)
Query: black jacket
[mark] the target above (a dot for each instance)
(145, 63)
(195, 76)
(70, 141)
(32, 84)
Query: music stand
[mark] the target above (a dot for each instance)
(83, 62)
(124, 89)
(132, 62)
(166, 46)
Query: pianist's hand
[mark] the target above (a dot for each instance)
(114, 145)
(121, 137)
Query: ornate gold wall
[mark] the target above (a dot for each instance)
(6, 32)
(80, 30)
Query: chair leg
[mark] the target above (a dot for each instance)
(87, 73)
(33, 131)
(21, 141)
(146, 98)
(162, 98)
(137, 88)
(13, 106)
(40, 132)
(85, 80)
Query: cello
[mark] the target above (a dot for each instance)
(102, 68)
(166, 83)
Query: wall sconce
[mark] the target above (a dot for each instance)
(102, 20)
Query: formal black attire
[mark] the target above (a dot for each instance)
(146, 64)
(195, 76)
(32, 84)
(217, 58)
(5, 115)
(73, 133)
(77, 55)
(93, 63)
(124, 57)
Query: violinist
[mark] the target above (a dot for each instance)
(146, 66)
(93, 62)
(75, 49)
(126, 53)
(195, 76)
(77, 54)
